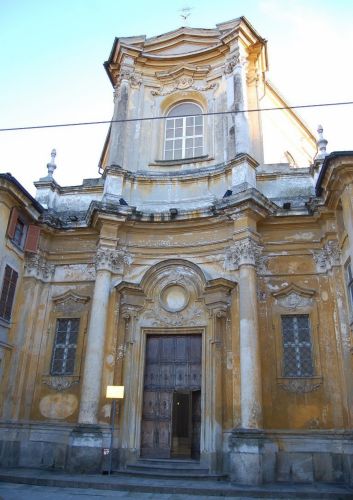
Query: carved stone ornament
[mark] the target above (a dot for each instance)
(183, 83)
(60, 383)
(300, 386)
(128, 74)
(36, 266)
(192, 316)
(119, 351)
(231, 62)
(328, 256)
(294, 300)
(245, 251)
(173, 298)
(112, 260)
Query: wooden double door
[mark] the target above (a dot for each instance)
(171, 415)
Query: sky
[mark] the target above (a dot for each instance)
(52, 54)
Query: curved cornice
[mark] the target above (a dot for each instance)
(192, 44)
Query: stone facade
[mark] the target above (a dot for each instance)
(224, 248)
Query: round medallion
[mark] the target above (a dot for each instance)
(174, 298)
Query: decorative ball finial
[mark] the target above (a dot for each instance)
(321, 144)
(51, 166)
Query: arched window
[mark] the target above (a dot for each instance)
(183, 134)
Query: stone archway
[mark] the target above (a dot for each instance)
(173, 301)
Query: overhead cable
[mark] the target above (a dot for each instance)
(127, 120)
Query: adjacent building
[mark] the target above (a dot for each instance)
(207, 270)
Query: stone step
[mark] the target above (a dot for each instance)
(170, 474)
(157, 468)
(181, 487)
(168, 464)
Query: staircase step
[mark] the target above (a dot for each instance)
(172, 461)
(179, 466)
(171, 474)
(173, 468)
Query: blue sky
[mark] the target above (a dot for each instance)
(51, 69)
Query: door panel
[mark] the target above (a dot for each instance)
(173, 363)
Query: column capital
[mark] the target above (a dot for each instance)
(244, 251)
(110, 259)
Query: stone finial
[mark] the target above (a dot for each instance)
(51, 166)
(321, 144)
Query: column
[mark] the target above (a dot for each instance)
(239, 139)
(243, 256)
(246, 443)
(92, 375)
(250, 378)
(127, 79)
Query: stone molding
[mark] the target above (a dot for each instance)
(60, 383)
(245, 251)
(183, 83)
(327, 257)
(112, 260)
(301, 386)
(37, 266)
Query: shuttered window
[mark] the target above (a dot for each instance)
(8, 292)
(65, 345)
(297, 346)
(25, 236)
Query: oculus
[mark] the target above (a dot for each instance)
(174, 298)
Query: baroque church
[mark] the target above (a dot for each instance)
(207, 269)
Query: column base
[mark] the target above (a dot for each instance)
(246, 456)
(85, 450)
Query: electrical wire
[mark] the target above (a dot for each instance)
(127, 120)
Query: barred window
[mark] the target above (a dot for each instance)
(349, 282)
(65, 344)
(18, 237)
(297, 347)
(8, 293)
(183, 134)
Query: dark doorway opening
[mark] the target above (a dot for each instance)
(182, 425)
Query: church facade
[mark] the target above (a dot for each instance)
(207, 270)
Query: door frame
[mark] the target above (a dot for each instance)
(142, 364)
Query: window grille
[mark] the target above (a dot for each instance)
(184, 134)
(65, 344)
(297, 347)
(18, 237)
(8, 292)
(349, 282)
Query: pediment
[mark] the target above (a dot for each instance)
(183, 41)
(294, 297)
(70, 296)
(183, 70)
(293, 288)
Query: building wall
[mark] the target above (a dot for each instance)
(273, 246)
